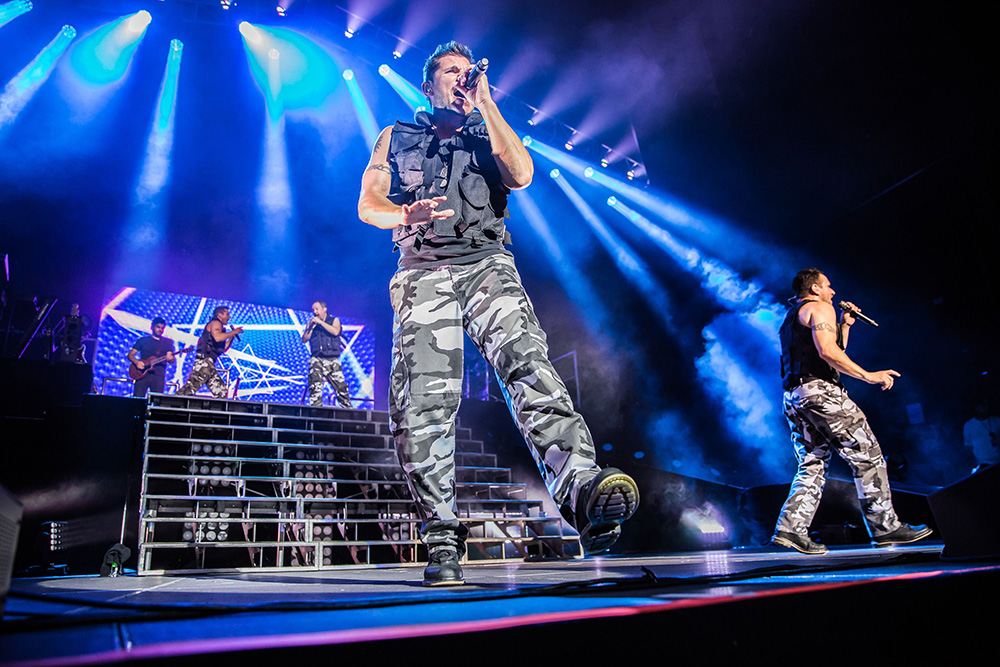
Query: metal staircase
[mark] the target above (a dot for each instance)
(235, 485)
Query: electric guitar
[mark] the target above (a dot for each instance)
(137, 373)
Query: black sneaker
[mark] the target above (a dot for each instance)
(443, 569)
(902, 535)
(608, 500)
(800, 543)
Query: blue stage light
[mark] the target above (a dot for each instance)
(26, 83)
(588, 172)
(103, 57)
(348, 75)
(11, 10)
(369, 128)
(410, 93)
(554, 173)
(526, 140)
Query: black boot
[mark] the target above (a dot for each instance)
(443, 569)
(608, 500)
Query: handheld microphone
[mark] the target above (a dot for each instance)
(857, 314)
(472, 78)
(237, 336)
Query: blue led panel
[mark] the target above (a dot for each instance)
(270, 361)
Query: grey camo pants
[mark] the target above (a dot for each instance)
(486, 299)
(822, 416)
(329, 370)
(202, 373)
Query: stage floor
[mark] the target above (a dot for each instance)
(93, 620)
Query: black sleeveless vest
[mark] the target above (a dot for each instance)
(800, 359)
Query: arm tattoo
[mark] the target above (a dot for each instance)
(381, 166)
(824, 326)
(378, 143)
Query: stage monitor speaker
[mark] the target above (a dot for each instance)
(10, 525)
(966, 516)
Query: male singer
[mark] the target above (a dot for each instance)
(441, 185)
(214, 342)
(821, 416)
(325, 344)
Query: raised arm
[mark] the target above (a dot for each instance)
(822, 319)
(512, 158)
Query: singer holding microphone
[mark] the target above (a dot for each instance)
(441, 185)
(214, 342)
(822, 417)
(323, 335)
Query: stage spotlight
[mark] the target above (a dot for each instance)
(11, 10)
(348, 33)
(568, 145)
(588, 172)
(348, 75)
(526, 140)
(410, 93)
(227, 4)
(273, 54)
(250, 33)
(25, 84)
(397, 55)
(554, 173)
(604, 162)
(139, 21)
(280, 10)
(630, 174)
(176, 45)
(531, 121)
(612, 201)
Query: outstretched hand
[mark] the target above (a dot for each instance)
(884, 378)
(425, 210)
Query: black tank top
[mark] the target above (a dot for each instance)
(207, 345)
(800, 360)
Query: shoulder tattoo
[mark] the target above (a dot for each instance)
(824, 326)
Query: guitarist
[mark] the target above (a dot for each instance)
(145, 349)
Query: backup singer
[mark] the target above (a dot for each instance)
(149, 349)
(326, 345)
(441, 185)
(214, 342)
(822, 417)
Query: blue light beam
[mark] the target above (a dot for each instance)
(11, 10)
(19, 90)
(631, 266)
(410, 93)
(103, 56)
(156, 167)
(369, 128)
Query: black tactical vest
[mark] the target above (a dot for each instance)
(461, 168)
(324, 344)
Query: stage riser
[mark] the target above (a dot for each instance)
(234, 485)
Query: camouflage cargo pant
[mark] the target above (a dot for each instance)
(203, 373)
(822, 416)
(486, 299)
(329, 370)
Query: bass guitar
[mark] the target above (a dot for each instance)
(137, 373)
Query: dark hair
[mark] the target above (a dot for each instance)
(158, 320)
(804, 280)
(219, 309)
(321, 303)
(451, 48)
